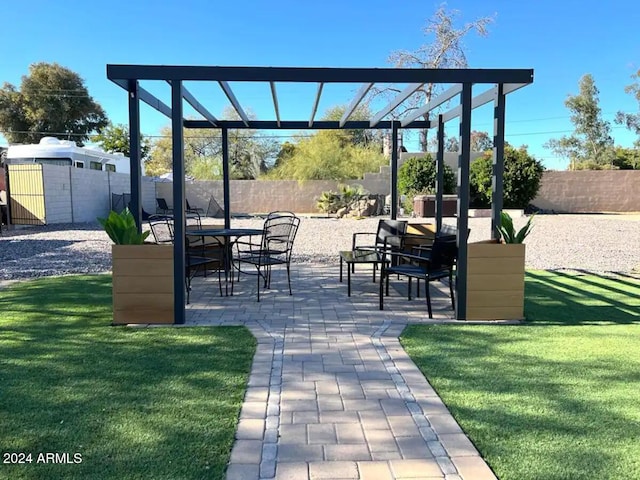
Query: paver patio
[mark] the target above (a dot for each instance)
(332, 394)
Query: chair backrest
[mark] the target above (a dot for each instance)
(391, 231)
(279, 233)
(444, 252)
(162, 204)
(214, 209)
(161, 229)
(281, 213)
(447, 231)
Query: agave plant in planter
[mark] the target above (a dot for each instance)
(495, 274)
(142, 273)
(122, 228)
(507, 232)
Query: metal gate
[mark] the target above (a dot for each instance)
(26, 194)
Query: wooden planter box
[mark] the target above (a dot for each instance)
(142, 283)
(419, 234)
(495, 281)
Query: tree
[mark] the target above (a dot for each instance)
(627, 158)
(362, 137)
(632, 120)
(446, 50)
(522, 176)
(115, 139)
(591, 142)
(250, 155)
(480, 142)
(200, 148)
(329, 155)
(287, 149)
(52, 101)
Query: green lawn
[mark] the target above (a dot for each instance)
(555, 398)
(157, 403)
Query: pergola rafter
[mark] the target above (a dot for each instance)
(501, 81)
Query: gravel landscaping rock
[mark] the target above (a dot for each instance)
(596, 243)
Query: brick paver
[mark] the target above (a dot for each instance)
(332, 394)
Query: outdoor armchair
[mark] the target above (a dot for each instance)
(390, 235)
(434, 263)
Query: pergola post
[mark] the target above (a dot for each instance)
(225, 178)
(439, 173)
(135, 167)
(464, 160)
(497, 180)
(177, 137)
(394, 170)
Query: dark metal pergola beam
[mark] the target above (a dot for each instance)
(198, 107)
(317, 74)
(154, 102)
(299, 125)
(315, 104)
(401, 97)
(275, 102)
(234, 101)
(433, 103)
(179, 219)
(477, 101)
(135, 167)
(464, 161)
(354, 103)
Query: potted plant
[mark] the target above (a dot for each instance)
(495, 274)
(142, 273)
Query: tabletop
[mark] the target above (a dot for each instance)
(224, 232)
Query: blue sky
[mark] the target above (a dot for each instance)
(560, 39)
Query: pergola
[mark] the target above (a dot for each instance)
(500, 82)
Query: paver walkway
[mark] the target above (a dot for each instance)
(332, 394)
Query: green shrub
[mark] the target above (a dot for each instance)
(522, 175)
(417, 175)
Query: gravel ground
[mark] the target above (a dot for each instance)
(597, 243)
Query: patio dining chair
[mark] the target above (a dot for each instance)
(192, 209)
(197, 256)
(162, 206)
(274, 248)
(434, 263)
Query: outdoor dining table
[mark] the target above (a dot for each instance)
(230, 235)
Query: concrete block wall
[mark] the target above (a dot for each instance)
(261, 196)
(589, 191)
(78, 195)
(89, 193)
(120, 183)
(57, 194)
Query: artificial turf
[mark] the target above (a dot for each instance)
(134, 403)
(557, 397)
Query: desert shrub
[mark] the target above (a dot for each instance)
(418, 175)
(347, 196)
(522, 175)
